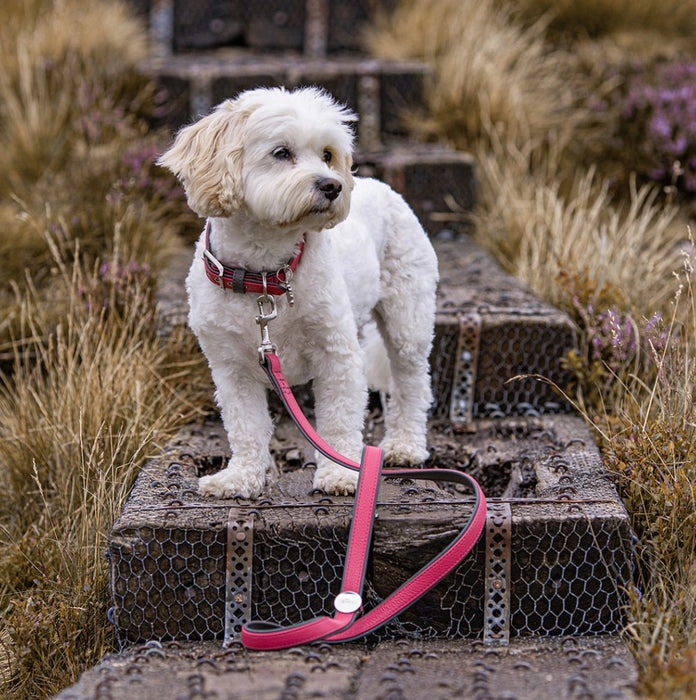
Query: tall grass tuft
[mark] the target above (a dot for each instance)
(543, 230)
(488, 71)
(88, 400)
(76, 153)
(59, 73)
(597, 18)
(649, 444)
(88, 387)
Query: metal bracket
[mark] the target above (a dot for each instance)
(496, 627)
(465, 368)
(238, 586)
(316, 28)
(369, 108)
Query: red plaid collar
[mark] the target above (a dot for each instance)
(243, 281)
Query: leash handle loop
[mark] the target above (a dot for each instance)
(346, 624)
(261, 635)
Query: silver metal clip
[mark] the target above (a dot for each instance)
(264, 318)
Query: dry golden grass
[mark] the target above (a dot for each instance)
(56, 63)
(541, 230)
(88, 389)
(649, 443)
(488, 72)
(75, 155)
(88, 400)
(671, 18)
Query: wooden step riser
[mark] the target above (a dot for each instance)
(313, 27)
(382, 93)
(494, 341)
(496, 372)
(439, 184)
(556, 557)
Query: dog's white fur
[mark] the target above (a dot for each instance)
(365, 283)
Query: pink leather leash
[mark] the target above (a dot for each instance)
(345, 623)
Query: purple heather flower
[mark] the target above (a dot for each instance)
(659, 104)
(660, 126)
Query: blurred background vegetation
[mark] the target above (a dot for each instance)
(582, 118)
(89, 386)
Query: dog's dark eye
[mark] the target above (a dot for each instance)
(282, 153)
(327, 156)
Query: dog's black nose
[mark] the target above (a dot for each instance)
(330, 187)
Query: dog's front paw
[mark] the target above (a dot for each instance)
(231, 483)
(398, 452)
(335, 480)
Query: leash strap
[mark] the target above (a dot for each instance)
(346, 625)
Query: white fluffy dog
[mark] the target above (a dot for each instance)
(269, 169)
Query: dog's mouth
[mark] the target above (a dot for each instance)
(318, 211)
(320, 215)
(322, 208)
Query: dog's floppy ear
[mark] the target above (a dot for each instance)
(207, 158)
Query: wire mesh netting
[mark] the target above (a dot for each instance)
(177, 572)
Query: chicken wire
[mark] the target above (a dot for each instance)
(493, 341)
(554, 561)
(495, 371)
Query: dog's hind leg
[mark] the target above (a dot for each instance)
(410, 397)
(405, 317)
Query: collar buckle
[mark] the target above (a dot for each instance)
(219, 267)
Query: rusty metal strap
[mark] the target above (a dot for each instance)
(496, 628)
(369, 108)
(238, 581)
(465, 367)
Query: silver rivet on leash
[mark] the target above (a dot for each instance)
(348, 602)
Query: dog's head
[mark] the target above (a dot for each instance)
(284, 157)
